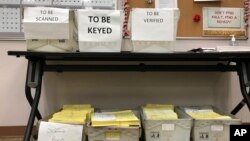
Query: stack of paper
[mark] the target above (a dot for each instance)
(159, 112)
(121, 119)
(205, 114)
(73, 114)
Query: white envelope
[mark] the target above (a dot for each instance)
(107, 39)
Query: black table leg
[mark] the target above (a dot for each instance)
(244, 75)
(34, 72)
(28, 88)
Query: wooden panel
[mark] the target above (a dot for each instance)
(188, 8)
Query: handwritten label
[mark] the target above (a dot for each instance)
(223, 17)
(153, 24)
(217, 127)
(49, 131)
(113, 135)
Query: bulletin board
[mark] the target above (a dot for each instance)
(187, 27)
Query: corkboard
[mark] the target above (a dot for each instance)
(188, 8)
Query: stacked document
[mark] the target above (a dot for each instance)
(72, 114)
(124, 118)
(205, 114)
(159, 112)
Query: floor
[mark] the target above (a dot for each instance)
(12, 139)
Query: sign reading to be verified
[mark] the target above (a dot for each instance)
(223, 17)
(153, 24)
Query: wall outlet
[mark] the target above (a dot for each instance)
(10, 2)
(10, 19)
(37, 2)
(63, 3)
(106, 4)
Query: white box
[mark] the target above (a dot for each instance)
(213, 129)
(171, 130)
(55, 32)
(99, 30)
(154, 30)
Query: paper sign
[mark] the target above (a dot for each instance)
(217, 127)
(49, 131)
(99, 25)
(46, 23)
(166, 4)
(223, 17)
(153, 25)
(168, 127)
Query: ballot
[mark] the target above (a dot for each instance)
(125, 118)
(159, 112)
(73, 114)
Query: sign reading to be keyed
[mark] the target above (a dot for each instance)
(239, 132)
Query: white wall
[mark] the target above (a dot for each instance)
(113, 90)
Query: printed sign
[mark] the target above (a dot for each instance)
(153, 24)
(224, 17)
(99, 25)
(223, 21)
(46, 23)
(49, 131)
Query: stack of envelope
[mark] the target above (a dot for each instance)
(124, 118)
(72, 114)
(205, 114)
(159, 112)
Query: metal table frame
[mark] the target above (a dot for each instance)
(37, 65)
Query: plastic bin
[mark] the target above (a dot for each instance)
(168, 130)
(211, 129)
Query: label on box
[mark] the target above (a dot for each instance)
(46, 23)
(153, 25)
(103, 117)
(113, 135)
(46, 15)
(99, 25)
(217, 127)
(168, 127)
